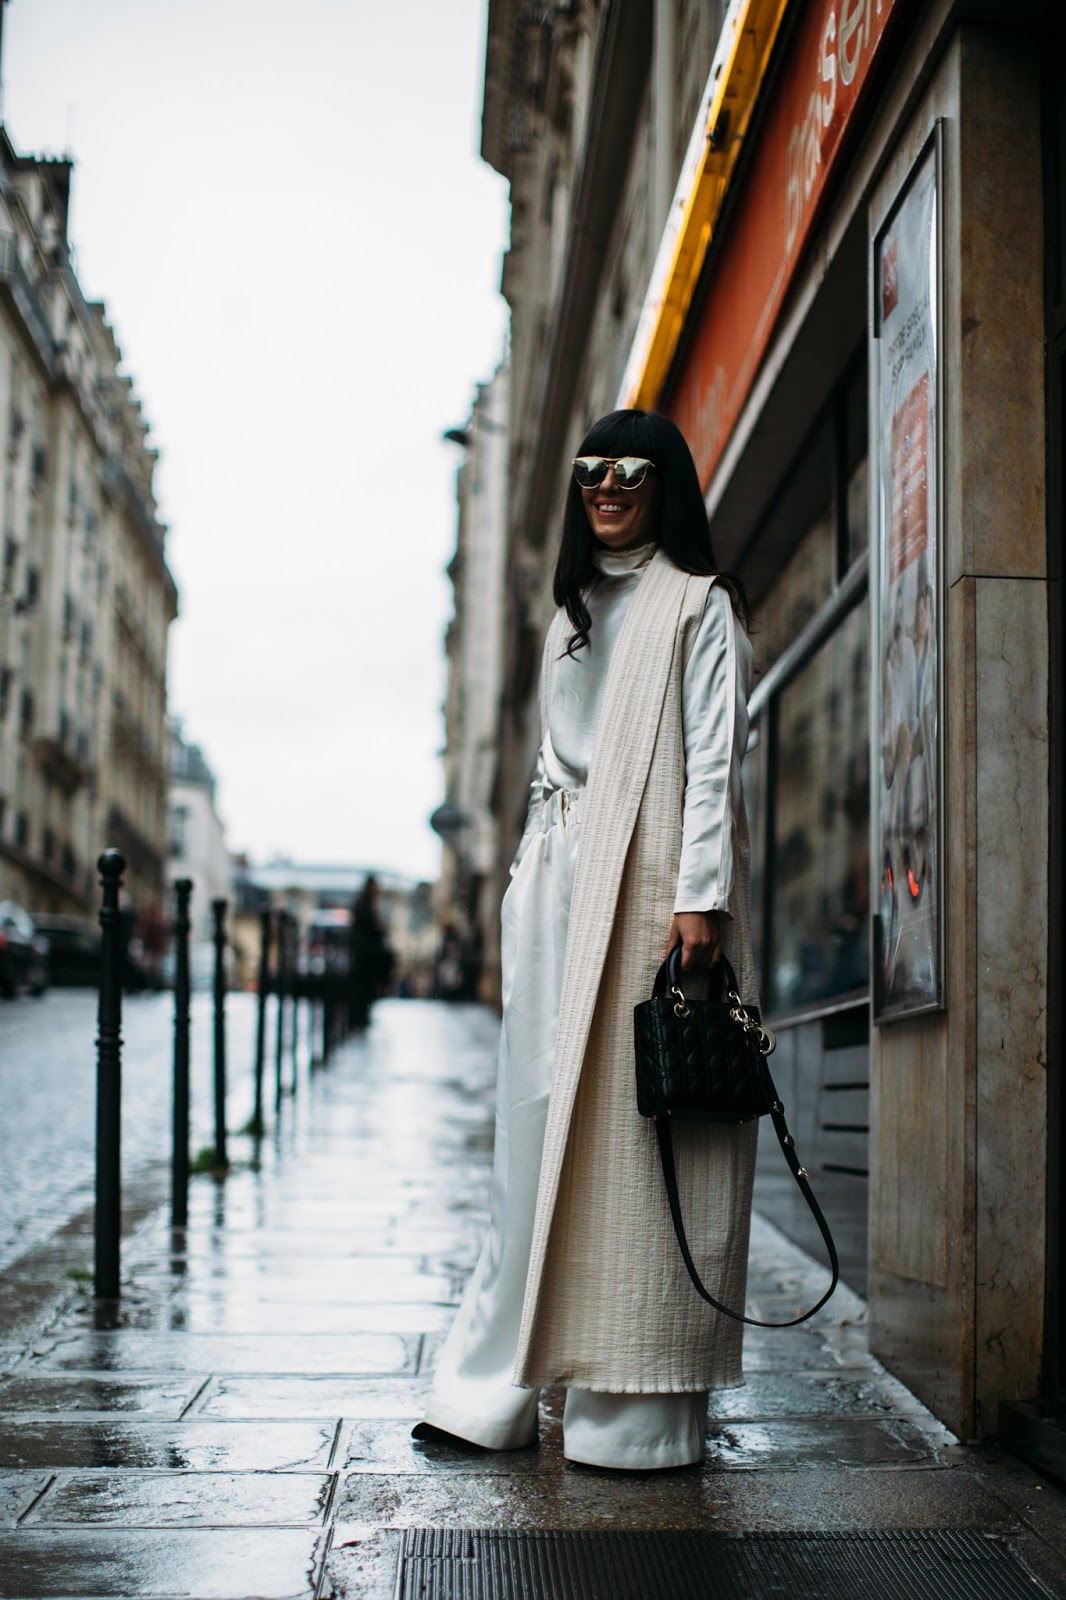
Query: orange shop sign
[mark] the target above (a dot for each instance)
(827, 64)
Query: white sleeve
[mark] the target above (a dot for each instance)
(714, 710)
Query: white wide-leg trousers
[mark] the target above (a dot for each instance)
(472, 1394)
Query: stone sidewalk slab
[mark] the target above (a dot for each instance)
(104, 1396)
(18, 1491)
(310, 1398)
(134, 1351)
(161, 1564)
(195, 1446)
(241, 1315)
(182, 1499)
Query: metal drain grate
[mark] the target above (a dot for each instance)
(923, 1564)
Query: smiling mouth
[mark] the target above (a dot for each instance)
(611, 508)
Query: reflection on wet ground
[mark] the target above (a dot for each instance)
(240, 1423)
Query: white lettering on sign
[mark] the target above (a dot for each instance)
(802, 160)
(851, 21)
(845, 38)
(829, 68)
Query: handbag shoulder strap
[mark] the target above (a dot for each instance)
(788, 1147)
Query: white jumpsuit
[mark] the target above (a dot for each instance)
(472, 1394)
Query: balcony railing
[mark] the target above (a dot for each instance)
(15, 279)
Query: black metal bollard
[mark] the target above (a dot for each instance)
(294, 1009)
(218, 914)
(318, 1032)
(324, 1020)
(111, 865)
(179, 1172)
(281, 973)
(352, 1018)
(258, 1123)
(328, 1012)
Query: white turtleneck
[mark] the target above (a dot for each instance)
(714, 696)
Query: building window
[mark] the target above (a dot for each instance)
(177, 825)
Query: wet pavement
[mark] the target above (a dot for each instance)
(48, 1092)
(239, 1426)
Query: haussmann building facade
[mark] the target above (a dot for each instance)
(86, 595)
(826, 237)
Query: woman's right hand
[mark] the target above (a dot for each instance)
(700, 937)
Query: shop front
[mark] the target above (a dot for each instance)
(848, 320)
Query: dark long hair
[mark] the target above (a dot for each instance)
(682, 530)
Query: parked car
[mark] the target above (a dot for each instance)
(73, 950)
(23, 952)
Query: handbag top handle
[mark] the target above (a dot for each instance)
(670, 977)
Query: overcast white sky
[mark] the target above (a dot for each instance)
(283, 208)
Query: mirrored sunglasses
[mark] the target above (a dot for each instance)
(629, 471)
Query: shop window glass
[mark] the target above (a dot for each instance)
(858, 508)
(857, 527)
(804, 584)
(754, 801)
(819, 858)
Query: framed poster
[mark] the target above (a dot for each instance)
(907, 589)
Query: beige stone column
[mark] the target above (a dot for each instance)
(959, 1135)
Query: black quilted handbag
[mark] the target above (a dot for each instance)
(705, 1060)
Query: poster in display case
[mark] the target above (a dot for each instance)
(907, 597)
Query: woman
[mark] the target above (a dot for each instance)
(636, 838)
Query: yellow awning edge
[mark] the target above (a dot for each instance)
(741, 59)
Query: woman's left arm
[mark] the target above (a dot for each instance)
(714, 705)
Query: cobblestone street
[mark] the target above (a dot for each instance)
(48, 1090)
(241, 1427)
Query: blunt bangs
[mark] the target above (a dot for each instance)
(622, 433)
